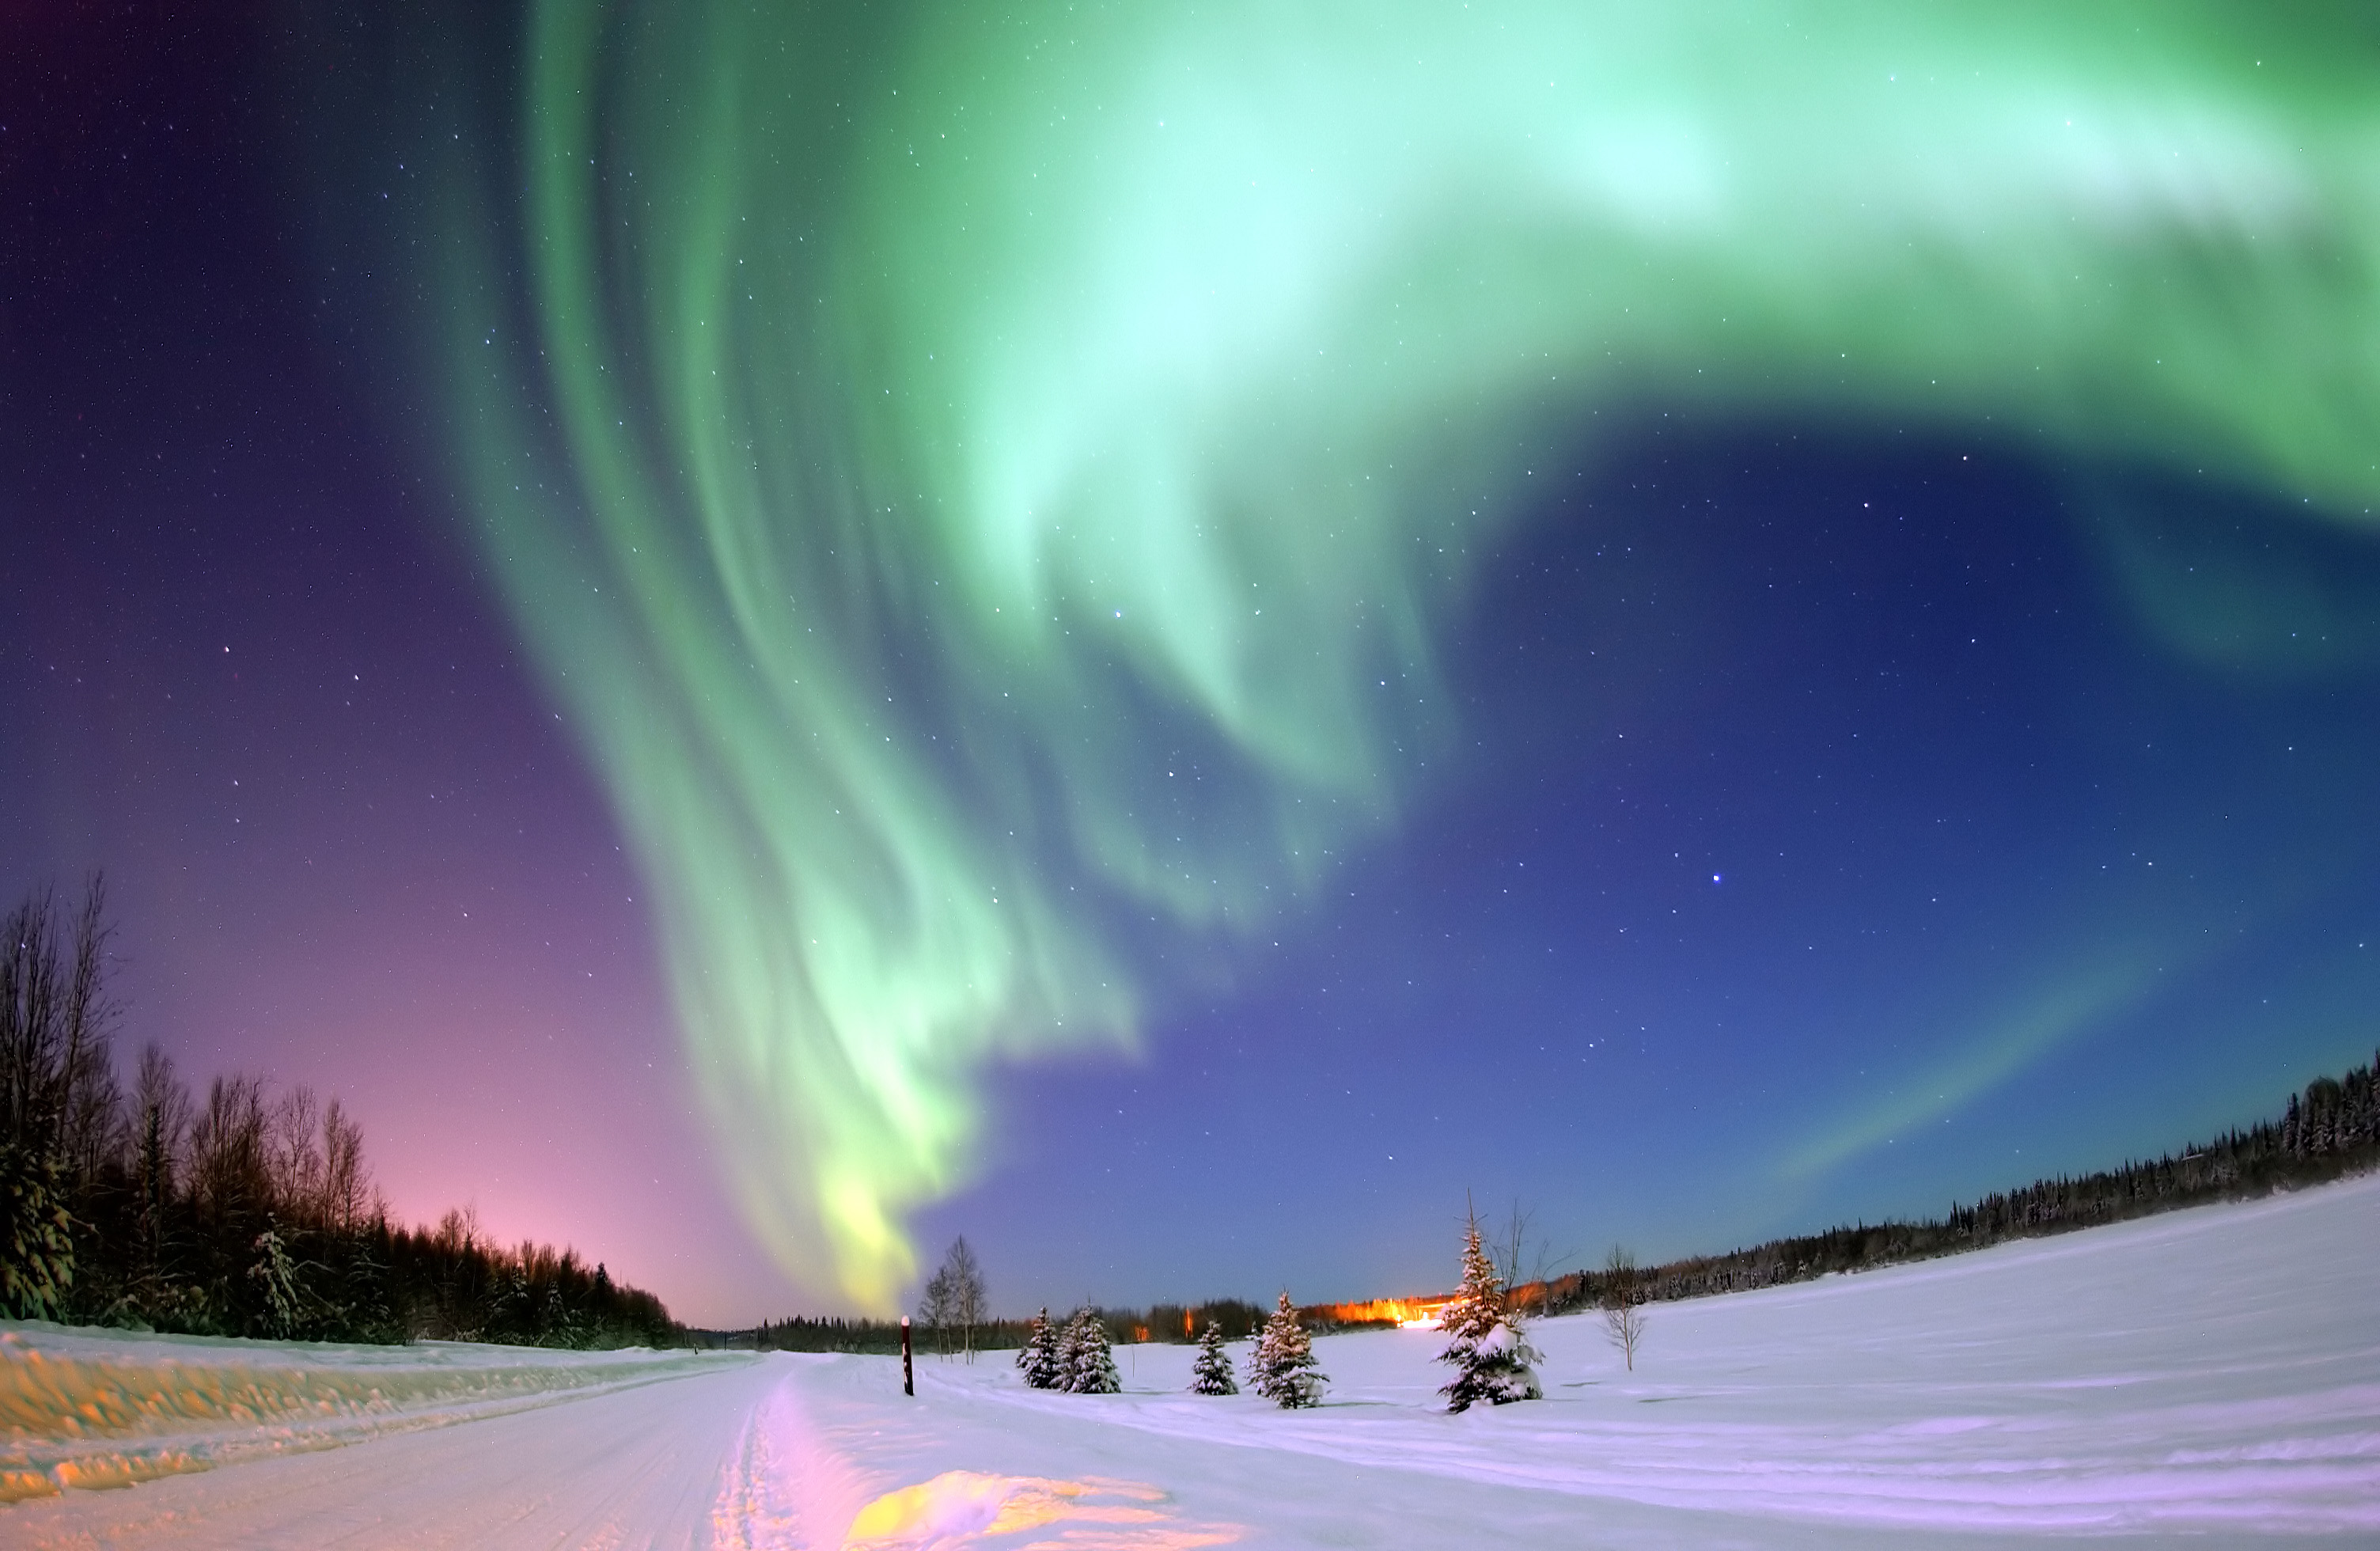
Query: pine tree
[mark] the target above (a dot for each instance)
(1039, 1358)
(1211, 1374)
(36, 1233)
(1085, 1365)
(273, 1268)
(1061, 1361)
(1282, 1368)
(1492, 1359)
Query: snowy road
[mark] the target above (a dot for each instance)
(2212, 1375)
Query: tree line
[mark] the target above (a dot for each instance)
(246, 1212)
(1174, 1322)
(2332, 1129)
(953, 1317)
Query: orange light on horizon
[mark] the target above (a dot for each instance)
(1408, 1313)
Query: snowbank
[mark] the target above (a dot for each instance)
(82, 1408)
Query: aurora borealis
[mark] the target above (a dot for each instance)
(1027, 509)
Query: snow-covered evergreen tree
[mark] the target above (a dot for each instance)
(279, 1275)
(1062, 1362)
(1039, 1358)
(1281, 1369)
(1211, 1374)
(1087, 1366)
(1493, 1360)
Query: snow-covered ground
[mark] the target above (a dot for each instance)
(2212, 1375)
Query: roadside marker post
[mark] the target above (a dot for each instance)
(908, 1378)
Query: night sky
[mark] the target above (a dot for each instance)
(1171, 638)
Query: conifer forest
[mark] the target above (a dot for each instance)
(244, 1210)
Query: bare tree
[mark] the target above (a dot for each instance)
(966, 1294)
(57, 1083)
(231, 1176)
(295, 1158)
(29, 1031)
(160, 1124)
(346, 1182)
(161, 1104)
(460, 1262)
(458, 1232)
(1524, 1264)
(935, 1307)
(952, 1301)
(1623, 1303)
(92, 1115)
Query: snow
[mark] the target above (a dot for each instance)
(2211, 1373)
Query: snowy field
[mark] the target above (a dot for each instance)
(2211, 1376)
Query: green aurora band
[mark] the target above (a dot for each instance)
(987, 481)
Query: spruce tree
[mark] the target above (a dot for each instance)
(1282, 1368)
(1492, 1360)
(1088, 1366)
(1062, 1362)
(273, 1268)
(1039, 1358)
(36, 1233)
(1211, 1374)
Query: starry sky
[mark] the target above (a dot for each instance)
(1172, 636)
